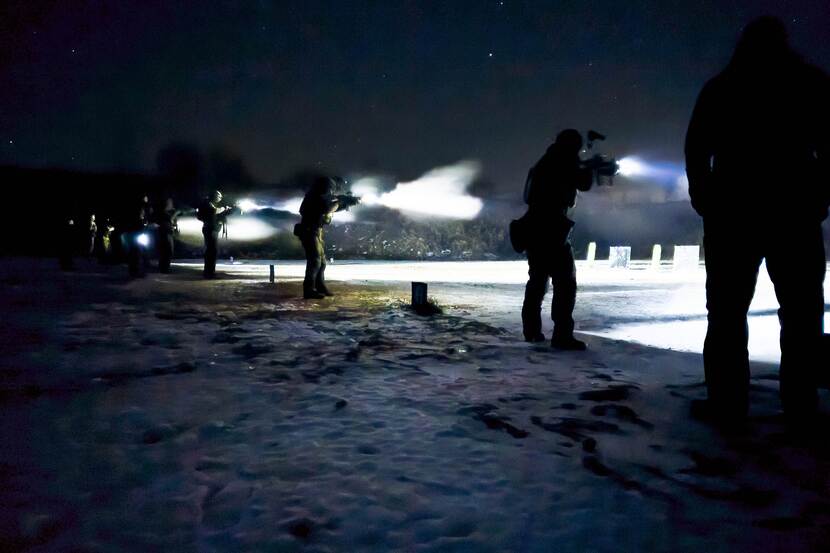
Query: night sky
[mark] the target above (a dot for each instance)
(392, 86)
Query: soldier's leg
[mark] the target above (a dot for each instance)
(211, 252)
(563, 273)
(797, 270)
(320, 282)
(732, 264)
(312, 265)
(133, 254)
(537, 286)
(165, 245)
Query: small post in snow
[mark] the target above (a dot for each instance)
(419, 294)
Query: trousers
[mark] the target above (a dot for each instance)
(211, 251)
(796, 265)
(315, 256)
(557, 265)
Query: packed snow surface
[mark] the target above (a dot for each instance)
(178, 414)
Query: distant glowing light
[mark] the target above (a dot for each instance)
(291, 205)
(241, 228)
(245, 228)
(439, 193)
(143, 239)
(246, 204)
(666, 174)
(631, 167)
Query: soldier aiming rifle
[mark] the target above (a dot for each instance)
(214, 217)
(319, 205)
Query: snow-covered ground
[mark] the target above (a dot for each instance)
(659, 307)
(173, 413)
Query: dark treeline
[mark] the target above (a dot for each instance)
(41, 198)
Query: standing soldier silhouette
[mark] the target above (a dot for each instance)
(757, 161)
(551, 189)
(212, 216)
(135, 223)
(167, 227)
(92, 234)
(319, 204)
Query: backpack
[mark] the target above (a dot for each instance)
(519, 230)
(519, 233)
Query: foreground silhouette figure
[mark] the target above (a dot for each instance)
(757, 162)
(551, 189)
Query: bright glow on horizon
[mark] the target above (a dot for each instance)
(247, 204)
(241, 228)
(439, 193)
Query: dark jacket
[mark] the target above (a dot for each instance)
(316, 211)
(552, 186)
(757, 143)
(211, 217)
(167, 220)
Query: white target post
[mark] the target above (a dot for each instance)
(686, 258)
(619, 257)
(656, 256)
(592, 253)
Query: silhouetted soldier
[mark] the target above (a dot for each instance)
(319, 204)
(212, 216)
(757, 161)
(167, 220)
(102, 242)
(92, 233)
(551, 189)
(133, 239)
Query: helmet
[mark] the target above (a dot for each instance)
(569, 139)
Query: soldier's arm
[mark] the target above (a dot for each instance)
(331, 204)
(583, 179)
(699, 152)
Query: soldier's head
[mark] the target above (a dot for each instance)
(762, 42)
(216, 196)
(569, 141)
(322, 186)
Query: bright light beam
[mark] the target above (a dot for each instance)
(663, 173)
(241, 228)
(246, 204)
(439, 193)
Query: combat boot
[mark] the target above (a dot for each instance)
(567, 343)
